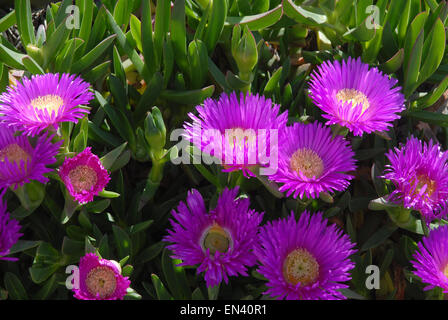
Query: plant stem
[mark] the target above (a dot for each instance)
(425, 228)
(152, 183)
(246, 77)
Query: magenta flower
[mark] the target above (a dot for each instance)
(311, 161)
(221, 241)
(21, 161)
(9, 232)
(43, 101)
(239, 132)
(304, 260)
(354, 96)
(419, 171)
(100, 279)
(84, 176)
(431, 259)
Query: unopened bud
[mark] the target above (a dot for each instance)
(155, 131)
(245, 52)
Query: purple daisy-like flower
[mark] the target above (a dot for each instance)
(221, 242)
(84, 176)
(304, 260)
(419, 171)
(356, 97)
(44, 100)
(100, 279)
(240, 132)
(311, 161)
(21, 161)
(9, 233)
(431, 259)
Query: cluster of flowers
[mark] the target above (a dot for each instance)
(30, 114)
(304, 259)
(301, 260)
(308, 259)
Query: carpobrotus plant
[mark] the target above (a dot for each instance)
(240, 131)
(22, 162)
(305, 259)
(311, 161)
(43, 101)
(113, 110)
(220, 241)
(84, 176)
(353, 95)
(431, 259)
(419, 171)
(100, 279)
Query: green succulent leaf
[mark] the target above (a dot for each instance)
(309, 16)
(14, 286)
(162, 292)
(216, 19)
(258, 21)
(24, 21)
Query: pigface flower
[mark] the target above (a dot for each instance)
(84, 176)
(44, 100)
(304, 260)
(21, 161)
(100, 279)
(431, 259)
(311, 161)
(240, 132)
(9, 232)
(354, 96)
(221, 241)
(419, 171)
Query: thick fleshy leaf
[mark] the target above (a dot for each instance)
(198, 61)
(14, 286)
(161, 28)
(162, 292)
(24, 21)
(433, 51)
(413, 66)
(433, 96)
(361, 32)
(88, 59)
(8, 21)
(190, 97)
(258, 21)
(394, 63)
(304, 15)
(175, 276)
(123, 241)
(216, 19)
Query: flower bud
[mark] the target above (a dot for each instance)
(245, 52)
(155, 131)
(35, 53)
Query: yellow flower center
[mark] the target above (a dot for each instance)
(308, 162)
(424, 180)
(354, 97)
(238, 138)
(14, 153)
(300, 266)
(445, 271)
(101, 281)
(50, 102)
(82, 178)
(215, 239)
